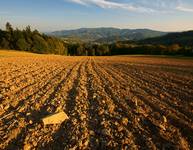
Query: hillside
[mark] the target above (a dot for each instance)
(181, 38)
(107, 34)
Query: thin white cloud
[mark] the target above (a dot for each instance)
(79, 2)
(148, 6)
(113, 5)
(184, 9)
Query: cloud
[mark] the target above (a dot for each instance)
(184, 9)
(113, 5)
(147, 6)
(79, 2)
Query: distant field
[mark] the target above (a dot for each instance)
(13, 53)
(131, 102)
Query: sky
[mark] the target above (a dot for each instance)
(52, 15)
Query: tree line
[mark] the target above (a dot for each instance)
(34, 41)
(150, 49)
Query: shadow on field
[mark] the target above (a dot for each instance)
(18, 142)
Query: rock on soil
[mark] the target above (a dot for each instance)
(56, 118)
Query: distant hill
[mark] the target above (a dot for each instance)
(181, 38)
(107, 34)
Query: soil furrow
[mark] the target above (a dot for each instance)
(119, 102)
(166, 98)
(125, 112)
(71, 134)
(162, 136)
(36, 107)
(187, 128)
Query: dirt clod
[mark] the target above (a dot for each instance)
(27, 147)
(125, 121)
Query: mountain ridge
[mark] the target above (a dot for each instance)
(105, 33)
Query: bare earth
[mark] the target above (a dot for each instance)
(129, 102)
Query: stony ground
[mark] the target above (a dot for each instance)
(126, 102)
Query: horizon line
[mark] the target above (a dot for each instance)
(83, 27)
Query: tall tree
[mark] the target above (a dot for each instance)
(8, 27)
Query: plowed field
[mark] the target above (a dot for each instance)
(136, 102)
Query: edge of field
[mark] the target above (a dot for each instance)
(15, 53)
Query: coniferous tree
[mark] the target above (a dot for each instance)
(8, 27)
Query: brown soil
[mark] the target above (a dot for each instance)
(136, 102)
